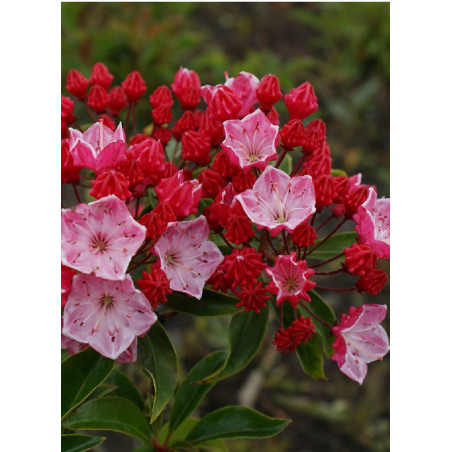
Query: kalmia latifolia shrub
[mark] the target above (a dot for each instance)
(218, 207)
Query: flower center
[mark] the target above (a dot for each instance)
(106, 300)
(99, 246)
(290, 284)
(253, 158)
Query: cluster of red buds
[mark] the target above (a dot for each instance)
(211, 199)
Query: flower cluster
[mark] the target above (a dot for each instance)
(199, 198)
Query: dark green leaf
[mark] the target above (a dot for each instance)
(81, 374)
(189, 395)
(211, 304)
(161, 365)
(235, 422)
(179, 434)
(101, 391)
(245, 336)
(125, 388)
(79, 443)
(110, 413)
(319, 306)
(334, 245)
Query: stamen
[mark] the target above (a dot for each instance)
(101, 123)
(281, 218)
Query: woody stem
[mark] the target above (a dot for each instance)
(281, 157)
(327, 261)
(345, 289)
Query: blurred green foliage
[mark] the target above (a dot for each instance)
(341, 48)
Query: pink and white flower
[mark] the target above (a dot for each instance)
(186, 255)
(244, 85)
(360, 340)
(100, 237)
(251, 141)
(291, 278)
(373, 224)
(278, 201)
(98, 148)
(107, 315)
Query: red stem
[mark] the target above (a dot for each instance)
(339, 270)
(76, 193)
(299, 165)
(328, 236)
(324, 223)
(327, 261)
(281, 157)
(345, 289)
(316, 316)
(226, 241)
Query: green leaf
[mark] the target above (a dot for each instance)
(81, 374)
(235, 422)
(212, 304)
(160, 364)
(334, 245)
(245, 336)
(338, 172)
(320, 307)
(79, 443)
(189, 394)
(125, 388)
(110, 413)
(311, 357)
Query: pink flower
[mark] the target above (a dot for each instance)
(107, 315)
(251, 141)
(360, 340)
(186, 256)
(291, 279)
(98, 148)
(244, 85)
(182, 196)
(100, 237)
(278, 201)
(373, 224)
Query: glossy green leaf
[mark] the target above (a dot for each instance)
(81, 374)
(160, 364)
(79, 443)
(212, 304)
(110, 413)
(245, 336)
(125, 388)
(334, 245)
(189, 394)
(235, 422)
(320, 307)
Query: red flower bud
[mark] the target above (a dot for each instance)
(238, 226)
(69, 172)
(150, 155)
(155, 285)
(101, 76)
(342, 186)
(212, 183)
(359, 259)
(134, 86)
(162, 134)
(196, 147)
(292, 134)
(324, 191)
(304, 234)
(76, 84)
(224, 104)
(162, 115)
(372, 282)
(242, 181)
(253, 297)
(268, 91)
(117, 100)
(212, 128)
(98, 98)
(187, 88)
(318, 163)
(301, 101)
(314, 136)
(157, 220)
(161, 97)
(188, 121)
(223, 165)
(67, 110)
(110, 183)
(273, 116)
(354, 199)
(131, 169)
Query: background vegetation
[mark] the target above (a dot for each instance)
(343, 50)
